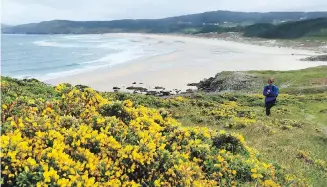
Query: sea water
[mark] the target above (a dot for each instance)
(50, 56)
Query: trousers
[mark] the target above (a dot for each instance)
(268, 106)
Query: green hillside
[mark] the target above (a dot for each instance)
(66, 135)
(176, 24)
(289, 30)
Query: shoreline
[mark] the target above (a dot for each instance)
(196, 58)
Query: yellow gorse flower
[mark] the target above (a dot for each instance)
(81, 138)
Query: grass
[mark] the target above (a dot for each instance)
(275, 143)
(294, 137)
(305, 104)
(310, 80)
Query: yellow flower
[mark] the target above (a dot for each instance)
(11, 175)
(270, 183)
(4, 106)
(157, 182)
(222, 151)
(63, 182)
(72, 146)
(118, 174)
(72, 171)
(254, 175)
(100, 120)
(220, 158)
(46, 176)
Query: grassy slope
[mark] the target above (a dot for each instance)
(311, 80)
(298, 123)
(298, 81)
(305, 105)
(277, 144)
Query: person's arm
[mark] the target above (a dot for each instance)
(274, 93)
(277, 91)
(264, 92)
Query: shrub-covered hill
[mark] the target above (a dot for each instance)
(165, 25)
(289, 30)
(75, 136)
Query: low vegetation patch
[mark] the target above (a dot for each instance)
(75, 136)
(79, 138)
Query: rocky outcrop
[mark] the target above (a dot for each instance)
(152, 92)
(315, 58)
(141, 89)
(228, 81)
(159, 88)
(165, 93)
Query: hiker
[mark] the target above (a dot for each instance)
(271, 93)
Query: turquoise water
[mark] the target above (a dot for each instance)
(51, 56)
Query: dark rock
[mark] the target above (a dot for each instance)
(315, 58)
(228, 81)
(152, 93)
(136, 92)
(134, 83)
(189, 91)
(81, 87)
(141, 89)
(165, 93)
(116, 88)
(192, 84)
(159, 88)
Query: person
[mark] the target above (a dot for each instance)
(271, 93)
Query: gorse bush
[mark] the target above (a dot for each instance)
(77, 137)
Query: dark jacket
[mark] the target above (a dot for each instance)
(271, 93)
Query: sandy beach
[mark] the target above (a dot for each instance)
(192, 60)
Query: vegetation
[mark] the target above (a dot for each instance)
(310, 80)
(305, 29)
(75, 136)
(181, 24)
(289, 30)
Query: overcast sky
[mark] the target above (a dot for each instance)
(27, 11)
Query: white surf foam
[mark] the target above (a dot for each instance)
(106, 61)
(44, 43)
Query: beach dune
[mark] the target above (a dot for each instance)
(190, 60)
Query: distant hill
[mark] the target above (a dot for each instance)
(290, 30)
(195, 22)
(239, 17)
(5, 26)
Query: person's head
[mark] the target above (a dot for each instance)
(271, 80)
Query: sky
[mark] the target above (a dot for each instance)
(15, 12)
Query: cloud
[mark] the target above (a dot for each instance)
(26, 11)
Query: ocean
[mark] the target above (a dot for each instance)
(46, 57)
